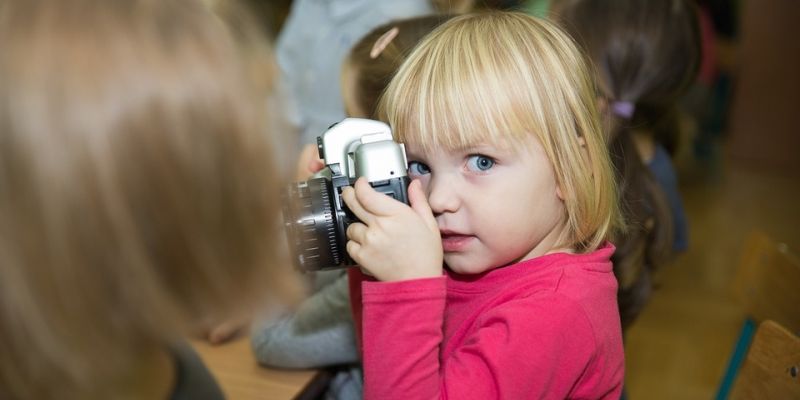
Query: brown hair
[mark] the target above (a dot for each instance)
(453, 6)
(137, 188)
(373, 72)
(646, 53)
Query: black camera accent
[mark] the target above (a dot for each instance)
(315, 215)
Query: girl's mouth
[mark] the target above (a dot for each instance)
(454, 242)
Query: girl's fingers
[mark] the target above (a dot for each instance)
(357, 232)
(354, 250)
(353, 203)
(315, 165)
(376, 202)
(419, 203)
(225, 331)
(308, 163)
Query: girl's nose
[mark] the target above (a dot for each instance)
(442, 195)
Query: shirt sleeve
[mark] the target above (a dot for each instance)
(534, 347)
(402, 333)
(319, 333)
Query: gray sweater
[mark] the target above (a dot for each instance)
(319, 333)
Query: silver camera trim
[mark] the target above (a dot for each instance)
(358, 147)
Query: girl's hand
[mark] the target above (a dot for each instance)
(308, 163)
(219, 332)
(393, 242)
(226, 331)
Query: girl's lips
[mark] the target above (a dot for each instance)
(452, 242)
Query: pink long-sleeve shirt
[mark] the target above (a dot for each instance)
(545, 328)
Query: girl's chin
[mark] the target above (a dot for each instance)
(463, 265)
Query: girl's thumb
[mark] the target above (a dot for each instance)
(419, 203)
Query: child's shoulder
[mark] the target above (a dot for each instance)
(564, 286)
(542, 317)
(567, 273)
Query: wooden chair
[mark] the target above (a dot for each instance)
(767, 284)
(771, 369)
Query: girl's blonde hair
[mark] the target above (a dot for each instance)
(498, 77)
(137, 187)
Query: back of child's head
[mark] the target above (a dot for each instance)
(503, 78)
(646, 53)
(137, 190)
(376, 57)
(453, 6)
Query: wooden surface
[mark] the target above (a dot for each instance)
(241, 378)
(772, 367)
(768, 281)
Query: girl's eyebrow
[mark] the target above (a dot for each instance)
(486, 148)
(457, 151)
(469, 148)
(477, 148)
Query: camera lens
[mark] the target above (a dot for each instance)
(310, 225)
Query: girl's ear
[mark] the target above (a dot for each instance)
(559, 193)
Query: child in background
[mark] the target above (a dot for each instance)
(320, 332)
(137, 193)
(646, 54)
(315, 40)
(514, 192)
(374, 60)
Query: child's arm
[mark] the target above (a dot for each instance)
(319, 333)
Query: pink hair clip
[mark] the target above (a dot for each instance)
(383, 41)
(623, 109)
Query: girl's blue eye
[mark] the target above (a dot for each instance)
(416, 168)
(479, 163)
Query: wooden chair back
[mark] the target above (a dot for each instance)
(771, 369)
(768, 282)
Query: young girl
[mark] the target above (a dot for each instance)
(646, 54)
(138, 193)
(514, 195)
(319, 333)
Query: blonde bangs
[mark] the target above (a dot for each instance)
(486, 106)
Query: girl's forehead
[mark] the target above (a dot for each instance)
(439, 127)
(495, 145)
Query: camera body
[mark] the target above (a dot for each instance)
(315, 215)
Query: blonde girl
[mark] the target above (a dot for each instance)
(496, 283)
(137, 193)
